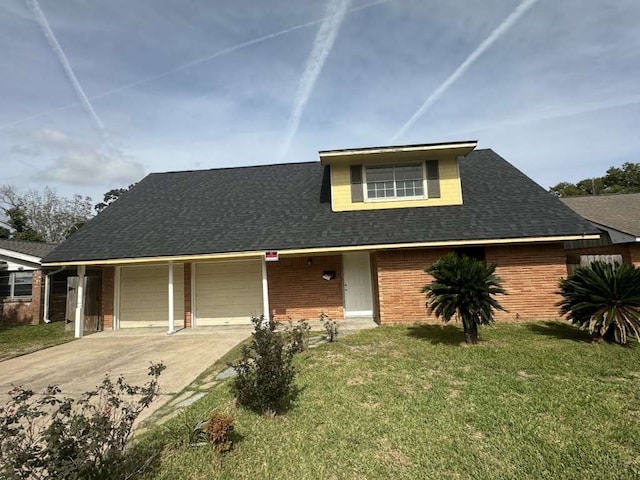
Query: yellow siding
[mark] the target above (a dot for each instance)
(450, 190)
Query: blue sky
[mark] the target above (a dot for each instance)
(96, 94)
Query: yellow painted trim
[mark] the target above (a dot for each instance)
(325, 156)
(303, 251)
(151, 260)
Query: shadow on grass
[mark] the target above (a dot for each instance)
(438, 334)
(561, 331)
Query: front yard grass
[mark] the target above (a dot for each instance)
(530, 401)
(16, 340)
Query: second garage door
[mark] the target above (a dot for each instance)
(228, 292)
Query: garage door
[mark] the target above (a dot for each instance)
(144, 296)
(228, 292)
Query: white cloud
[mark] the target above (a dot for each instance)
(50, 136)
(92, 167)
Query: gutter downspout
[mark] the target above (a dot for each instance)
(47, 293)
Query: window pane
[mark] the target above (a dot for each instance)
(22, 284)
(5, 287)
(379, 174)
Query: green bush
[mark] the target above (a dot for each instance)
(605, 299)
(265, 374)
(62, 438)
(331, 326)
(298, 335)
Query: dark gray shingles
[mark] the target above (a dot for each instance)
(35, 249)
(619, 212)
(280, 207)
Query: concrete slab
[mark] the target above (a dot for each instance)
(80, 365)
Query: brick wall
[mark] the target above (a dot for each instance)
(529, 273)
(297, 290)
(400, 278)
(634, 254)
(27, 311)
(187, 295)
(624, 249)
(108, 285)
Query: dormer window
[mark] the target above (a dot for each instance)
(387, 182)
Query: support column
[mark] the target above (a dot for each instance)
(170, 291)
(79, 321)
(47, 294)
(265, 290)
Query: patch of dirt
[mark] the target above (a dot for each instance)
(370, 405)
(389, 455)
(525, 375)
(454, 394)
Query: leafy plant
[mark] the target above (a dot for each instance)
(265, 380)
(298, 335)
(464, 288)
(331, 326)
(218, 429)
(605, 299)
(63, 438)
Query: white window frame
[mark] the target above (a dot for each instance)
(424, 196)
(12, 285)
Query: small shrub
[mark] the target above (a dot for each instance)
(298, 335)
(218, 429)
(331, 326)
(63, 438)
(265, 380)
(605, 299)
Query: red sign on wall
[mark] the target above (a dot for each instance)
(271, 256)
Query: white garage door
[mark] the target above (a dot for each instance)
(228, 292)
(144, 296)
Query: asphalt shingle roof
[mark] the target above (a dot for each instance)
(277, 207)
(35, 249)
(619, 212)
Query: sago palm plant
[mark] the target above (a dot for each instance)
(463, 288)
(605, 299)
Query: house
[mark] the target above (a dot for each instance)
(349, 236)
(618, 219)
(22, 281)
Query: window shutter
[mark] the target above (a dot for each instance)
(433, 179)
(357, 194)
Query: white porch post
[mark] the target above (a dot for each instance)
(79, 321)
(47, 292)
(171, 319)
(265, 290)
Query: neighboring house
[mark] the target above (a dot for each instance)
(349, 236)
(618, 218)
(22, 281)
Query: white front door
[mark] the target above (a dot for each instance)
(358, 300)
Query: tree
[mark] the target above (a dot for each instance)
(42, 216)
(605, 299)
(616, 180)
(110, 197)
(464, 288)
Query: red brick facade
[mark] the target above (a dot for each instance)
(108, 289)
(297, 290)
(28, 310)
(630, 252)
(529, 273)
(187, 295)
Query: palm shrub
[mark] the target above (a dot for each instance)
(605, 299)
(464, 288)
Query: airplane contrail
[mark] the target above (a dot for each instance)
(57, 50)
(498, 32)
(188, 65)
(322, 45)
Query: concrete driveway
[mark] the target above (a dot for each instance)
(80, 365)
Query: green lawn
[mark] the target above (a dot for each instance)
(20, 339)
(530, 401)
